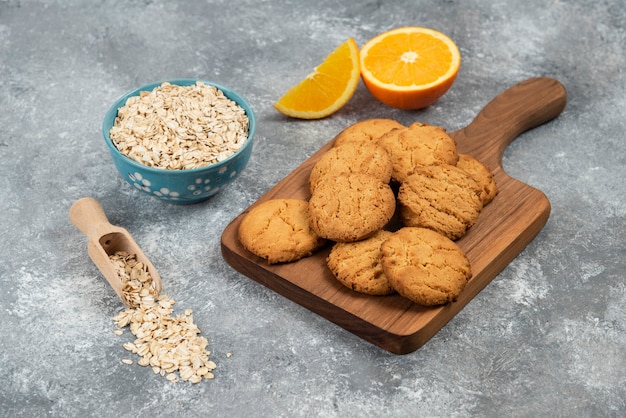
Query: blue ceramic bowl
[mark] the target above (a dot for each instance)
(180, 186)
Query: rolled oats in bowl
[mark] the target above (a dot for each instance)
(182, 140)
(180, 127)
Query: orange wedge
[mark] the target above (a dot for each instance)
(327, 88)
(409, 67)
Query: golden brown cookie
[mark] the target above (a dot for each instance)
(417, 145)
(443, 198)
(279, 231)
(357, 265)
(424, 266)
(481, 174)
(350, 207)
(368, 130)
(366, 158)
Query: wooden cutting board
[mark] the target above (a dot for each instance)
(502, 231)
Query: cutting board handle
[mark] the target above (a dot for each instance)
(523, 106)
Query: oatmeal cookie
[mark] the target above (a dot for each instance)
(481, 174)
(368, 130)
(424, 266)
(367, 158)
(279, 231)
(418, 145)
(357, 265)
(351, 207)
(443, 198)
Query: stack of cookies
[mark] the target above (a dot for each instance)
(439, 196)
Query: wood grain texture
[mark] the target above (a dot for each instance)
(503, 229)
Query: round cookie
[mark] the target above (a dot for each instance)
(419, 144)
(424, 266)
(443, 198)
(350, 207)
(366, 158)
(357, 265)
(481, 174)
(279, 231)
(368, 130)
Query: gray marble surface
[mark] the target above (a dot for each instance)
(547, 337)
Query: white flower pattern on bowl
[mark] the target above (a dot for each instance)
(200, 186)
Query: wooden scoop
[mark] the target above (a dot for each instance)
(105, 239)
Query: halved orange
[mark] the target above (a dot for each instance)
(327, 88)
(409, 67)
